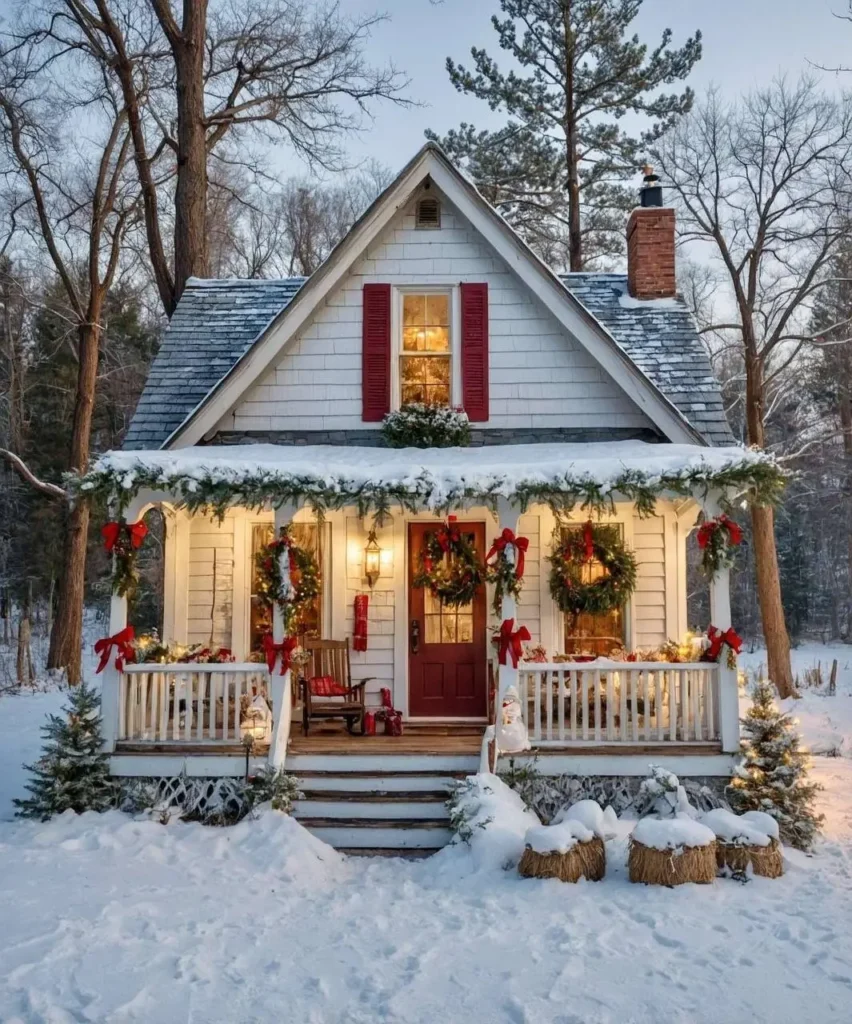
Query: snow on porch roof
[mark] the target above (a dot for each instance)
(437, 479)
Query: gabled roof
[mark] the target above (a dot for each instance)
(214, 324)
(661, 338)
(215, 320)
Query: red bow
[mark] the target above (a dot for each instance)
(111, 532)
(521, 545)
(717, 639)
(285, 649)
(123, 641)
(709, 527)
(510, 642)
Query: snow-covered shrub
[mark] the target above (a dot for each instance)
(72, 772)
(463, 807)
(663, 795)
(772, 777)
(426, 426)
(273, 786)
(490, 819)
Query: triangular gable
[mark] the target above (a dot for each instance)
(543, 283)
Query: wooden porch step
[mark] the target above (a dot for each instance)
(395, 796)
(368, 823)
(411, 853)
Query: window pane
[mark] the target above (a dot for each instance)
(437, 339)
(437, 310)
(413, 370)
(414, 310)
(437, 370)
(437, 394)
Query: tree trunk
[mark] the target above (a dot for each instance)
(845, 410)
(575, 236)
(765, 552)
(66, 637)
(191, 189)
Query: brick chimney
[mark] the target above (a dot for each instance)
(651, 244)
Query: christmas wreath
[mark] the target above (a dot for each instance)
(716, 538)
(505, 566)
(453, 579)
(287, 575)
(594, 596)
(122, 541)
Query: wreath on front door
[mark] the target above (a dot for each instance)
(449, 566)
(287, 575)
(597, 596)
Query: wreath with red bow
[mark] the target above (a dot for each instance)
(507, 574)
(449, 566)
(122, 541)
(287, 575)
(576, 591)
(716, 539)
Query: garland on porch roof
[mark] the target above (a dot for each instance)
(287, 575)
(216, 489)
(449, 565)
(601, 594)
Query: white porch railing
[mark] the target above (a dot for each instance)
(190, 703)
(629, 702)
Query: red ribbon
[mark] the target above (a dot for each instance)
(111, 532)
(122, 640)
(589, 541)
(709, 527)
(521, 545)
(717, 639)
(285, 649)
(510, 642)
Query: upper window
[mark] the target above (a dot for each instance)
(425, 370)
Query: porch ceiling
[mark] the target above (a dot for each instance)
(434, 479)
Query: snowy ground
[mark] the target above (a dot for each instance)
(109, 919)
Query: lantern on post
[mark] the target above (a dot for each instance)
(372, 559)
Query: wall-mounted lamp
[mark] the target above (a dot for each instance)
(372, 559)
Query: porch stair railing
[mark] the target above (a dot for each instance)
(623, 703)
(188, 703)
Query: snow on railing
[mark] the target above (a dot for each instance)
(190, 703)
(619, 702)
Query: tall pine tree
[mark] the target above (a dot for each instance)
(563, 149)
(72, 772)
(773, 774)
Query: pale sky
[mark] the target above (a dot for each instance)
(746, 43)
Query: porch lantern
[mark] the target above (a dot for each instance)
(372, 559)
(256, 720)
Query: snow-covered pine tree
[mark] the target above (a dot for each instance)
(773, 774)
(72, 771)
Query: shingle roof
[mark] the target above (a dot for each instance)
(661, 338)
(217, 321)
(214, 324)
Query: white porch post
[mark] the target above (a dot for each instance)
(111, 677)
(509, 516)
(280, 692)
(720, 617)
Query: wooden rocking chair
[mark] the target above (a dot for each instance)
(329, 660)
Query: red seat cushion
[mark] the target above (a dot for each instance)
(325, 686)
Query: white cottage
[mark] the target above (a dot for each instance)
(587, 393)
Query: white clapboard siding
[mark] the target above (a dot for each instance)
(539, 377)
(649, 599)
(209, 539)
(378, 659)
(529, 603)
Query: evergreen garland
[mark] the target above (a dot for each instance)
(304, 579)
(598, 596)
(426, 426)
(73, 771)
(772, 776)
(716, 540)
(456, 578)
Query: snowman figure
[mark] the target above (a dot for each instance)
(512, 734)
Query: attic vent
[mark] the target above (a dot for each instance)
(428, 213)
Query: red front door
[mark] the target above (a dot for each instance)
(446, 646)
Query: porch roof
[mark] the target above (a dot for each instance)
(434, 479)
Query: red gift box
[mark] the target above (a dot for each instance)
(369, 723)
(393, 723)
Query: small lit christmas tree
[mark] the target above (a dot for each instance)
(773, 774)
(72, 771)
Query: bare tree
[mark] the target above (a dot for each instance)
(290, 69)
(764, 186)
(75, 203)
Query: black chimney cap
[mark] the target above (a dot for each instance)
(651, 193)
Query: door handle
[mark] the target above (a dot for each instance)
(415, 636)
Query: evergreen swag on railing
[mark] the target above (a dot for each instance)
(287, 575)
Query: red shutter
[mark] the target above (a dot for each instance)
(474, 350)
(376, 353)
